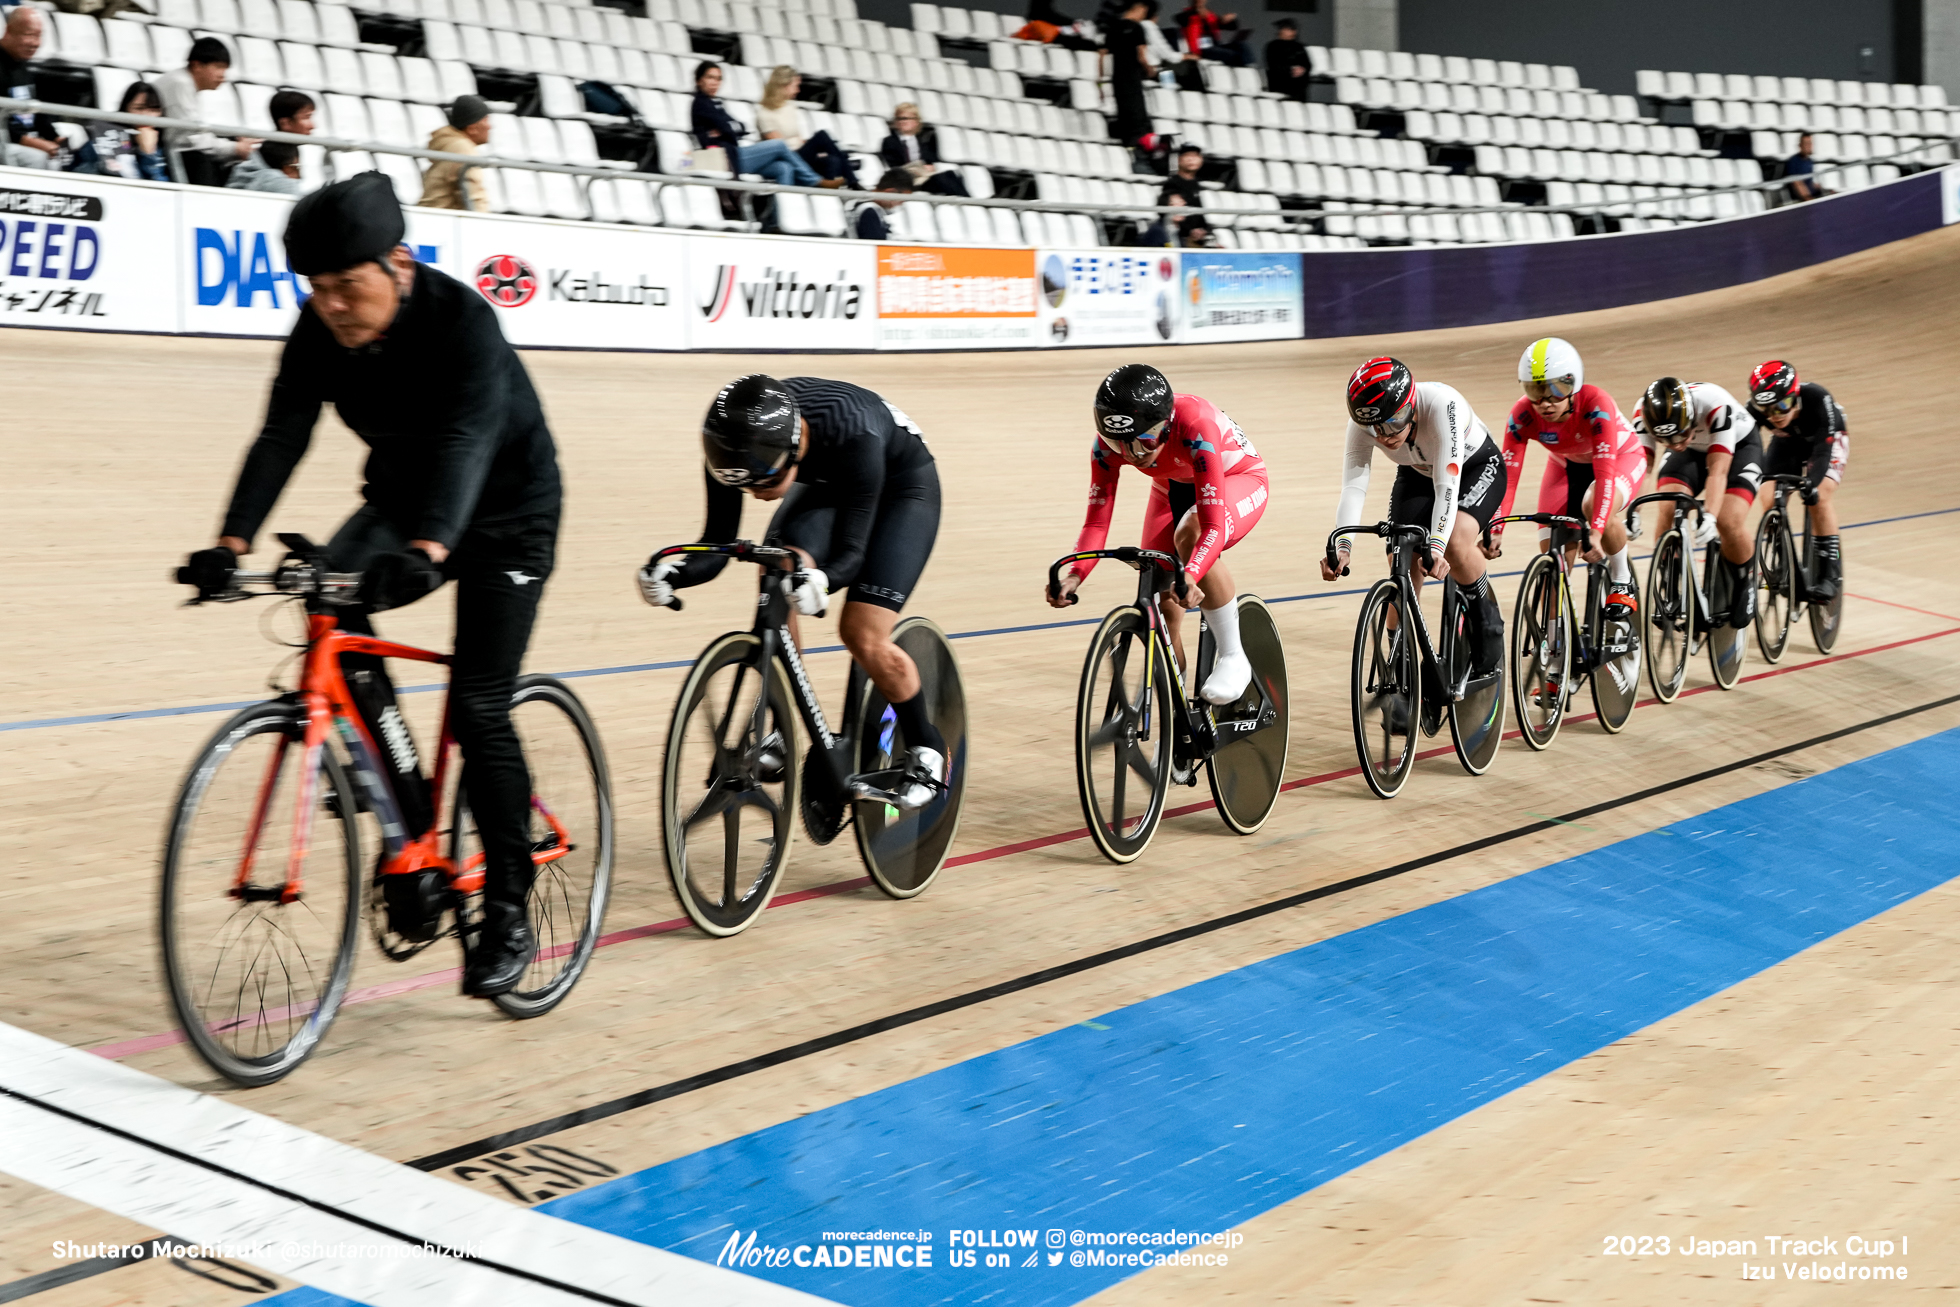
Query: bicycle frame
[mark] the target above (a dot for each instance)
(1704, 619)
(1784, 483)
(1406, 541)
(328, 709)
(1591, 638)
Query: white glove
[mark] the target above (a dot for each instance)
(1704, 530)
(812, 592)
(654, 586)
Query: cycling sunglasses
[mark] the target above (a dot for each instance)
(1404, 419)
(1551, 390)
(1146, 439)
(1781, 406)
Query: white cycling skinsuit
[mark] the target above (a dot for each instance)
(1450, 446)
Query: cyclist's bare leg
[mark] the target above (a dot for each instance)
(866, 630)
(1732, 525)
(1823, 514)
(1215, 590)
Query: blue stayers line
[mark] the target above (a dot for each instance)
(1201, 1109)
(191, 710)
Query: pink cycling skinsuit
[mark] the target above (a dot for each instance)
(1206, 462)
(1593, 434)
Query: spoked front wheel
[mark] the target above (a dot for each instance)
(902, 850)
(1776, 593)
(1541, 652)
(569, 828)
(1669, 616)
(1477, 719)
(730, 790)
(1123, 735)
(1386, 688)
(1246, 769)
(258, 952)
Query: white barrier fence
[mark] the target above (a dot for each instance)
(105, 254)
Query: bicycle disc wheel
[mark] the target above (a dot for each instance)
(1725, 646)
(1825, 619)
(1477, 719)
(1670, 615)
(1123, 736)
(1245, 774)
(1616, 677)
(255, 981)
(1776, 594)
(1386, 689)
(725, 869)
(571, 838)
(902, 850)
(1541, 652)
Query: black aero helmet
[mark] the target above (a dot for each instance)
(1133, 404)
(1381, 396)
(752, 431)
(1667, 412)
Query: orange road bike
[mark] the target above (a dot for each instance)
(263, 871)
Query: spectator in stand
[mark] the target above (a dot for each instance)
(206, 157)
(1211, 36)
(1802, 172)
(466, 132)
(778, 119)
(715, 129)
(868, 219)
(1286, 61)
(1161, 54)
(1049, 25)
(292, 111)
(31, 140)
(1129, 68)
(1184, 182)
(116, 150)
(913, 146)
(1194, 232)
(1163, 233)
(273, 167)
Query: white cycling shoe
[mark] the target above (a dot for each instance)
(925, 777)
(1228, 679)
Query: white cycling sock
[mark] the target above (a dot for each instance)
(1224, 624)
(1619, 567)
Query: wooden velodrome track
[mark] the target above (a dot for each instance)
(1811, 1099)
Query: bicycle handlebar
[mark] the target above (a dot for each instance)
(1133, 557)
(1544, 519)
(303, 571)
(1677, 497)
(1797, 480)
(1386, 530)
(742, 551)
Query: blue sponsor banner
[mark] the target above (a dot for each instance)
(1240, 295)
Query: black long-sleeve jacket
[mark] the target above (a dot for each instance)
(457, 437)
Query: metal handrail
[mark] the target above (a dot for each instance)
(1289, 216)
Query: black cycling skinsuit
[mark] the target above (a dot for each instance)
(1815, 443)
(865, 505)
(460, 454)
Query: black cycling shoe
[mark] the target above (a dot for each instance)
(503, 949)
(1397, 715)
(1487, 650)
(1825, 588)
(1742, 605)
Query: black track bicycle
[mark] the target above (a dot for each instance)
(732, 788)
(1786, 577)
(1137, 730)
(1679, 617)
(1555, 644)
(1402, 679)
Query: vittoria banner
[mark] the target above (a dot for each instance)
(747, 292)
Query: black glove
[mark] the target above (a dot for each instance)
(209, 570)
(1807, 492)
(398, 580)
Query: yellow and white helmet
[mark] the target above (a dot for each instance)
(1551, 370)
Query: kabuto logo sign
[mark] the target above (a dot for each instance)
(506, 281)
(781, 293)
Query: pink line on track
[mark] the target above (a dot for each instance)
(409, 984)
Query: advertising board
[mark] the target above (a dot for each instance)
(1240, 295)
(1108, 296)
(577, 285)
(86, 253)
(938, 297)
(759, 292)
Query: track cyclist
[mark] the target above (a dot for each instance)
(859, 494)
(1715, 452)
(461, 484)
(1208, 491)
(1809, 440)
(1588, 445)
(1450, 478)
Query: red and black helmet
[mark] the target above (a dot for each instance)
(1381, 396)
(1773, 387)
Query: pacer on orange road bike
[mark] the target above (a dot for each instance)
(462, 484)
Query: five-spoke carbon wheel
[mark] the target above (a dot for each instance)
(1386, 690)
(1123, 736)
(1541, 652)
(1669, 616)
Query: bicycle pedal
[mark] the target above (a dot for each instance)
(415, 902)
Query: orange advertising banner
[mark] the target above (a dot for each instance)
(928, 281)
